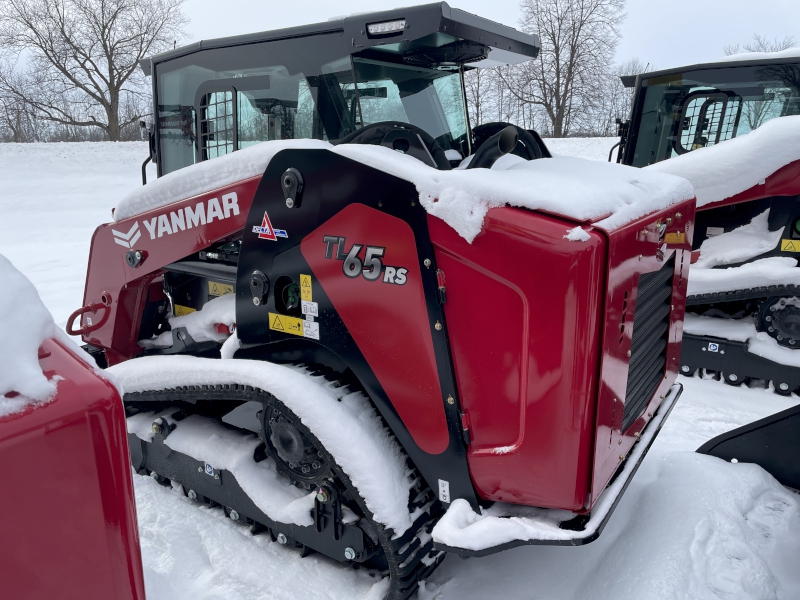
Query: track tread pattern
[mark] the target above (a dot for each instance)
(410, 556)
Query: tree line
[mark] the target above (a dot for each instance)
(69, 69)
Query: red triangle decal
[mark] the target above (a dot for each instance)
(267, 232)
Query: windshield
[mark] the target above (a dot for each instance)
(685, 111)
(431, 99)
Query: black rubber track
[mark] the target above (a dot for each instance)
(743, 294)
(404, 555)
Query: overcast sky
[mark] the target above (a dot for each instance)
(664, 34)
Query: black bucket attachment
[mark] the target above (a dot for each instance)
(773, 443)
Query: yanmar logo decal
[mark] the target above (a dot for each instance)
(182, 219)
(127, 239)
(267, 231)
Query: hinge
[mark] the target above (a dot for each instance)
(465, 427)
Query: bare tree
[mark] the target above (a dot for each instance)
(75, 62)
(578, 38)
(760, 43)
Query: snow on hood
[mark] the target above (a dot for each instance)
(608, 194)
(206, 176)
(727, 169)
(583, 190)
(25, 323)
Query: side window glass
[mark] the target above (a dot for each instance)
(216, 131)
(708, 119)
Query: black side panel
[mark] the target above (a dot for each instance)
(331, 183)
(649, 343)
(773, 443)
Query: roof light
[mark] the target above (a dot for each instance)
(387, 27)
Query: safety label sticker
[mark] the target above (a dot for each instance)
(311, 330)
(790, 245)
(294, 326)
(305, 288)
(182, 310)
(286, 324)
(219, 289)
(310, 309)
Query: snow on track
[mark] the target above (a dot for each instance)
(375, 464)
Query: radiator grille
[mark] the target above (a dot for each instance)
(649, 344)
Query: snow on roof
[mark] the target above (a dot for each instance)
(727, 169)
(608, 194)
(25, 323)
(788, 53)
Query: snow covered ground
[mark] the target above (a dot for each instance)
(689, 526)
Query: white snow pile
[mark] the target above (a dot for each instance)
(759, 343)
(375, 464)
(724, 170)
(739, 245)
(788, 53)
(775, 270)
(225, 449)
(577, 234)
(206, 176)
(583, 190)
(462, 527)
(25, 323)
(201, 324)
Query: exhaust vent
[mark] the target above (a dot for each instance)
(649, 343)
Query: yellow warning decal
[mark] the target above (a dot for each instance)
(183, 310)
(305, 287)
(790, 245)
(219, 289)
(286, 324)
(675, 238)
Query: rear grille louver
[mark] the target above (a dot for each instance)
(649, 343)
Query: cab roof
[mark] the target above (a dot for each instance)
(506, 44)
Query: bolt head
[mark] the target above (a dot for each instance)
(685, 368)
(256, 301)
(427, 263)
(438, 326)
(315, 465)
(192, 494)
(282, 539)
(199, 469)
(234, 515)
(349, 553)
(138, 255)
(154, 475)
(290, 203)
(322, 495)
(768, 318)
(784, 386)
(305, 469)
(733, 377)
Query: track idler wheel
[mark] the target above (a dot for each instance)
(779, 317)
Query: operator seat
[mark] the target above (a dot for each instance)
(403, 137)
(529, 145)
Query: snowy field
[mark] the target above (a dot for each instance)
(689, 527)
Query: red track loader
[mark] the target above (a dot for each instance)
(743, 305)
(339, 338)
